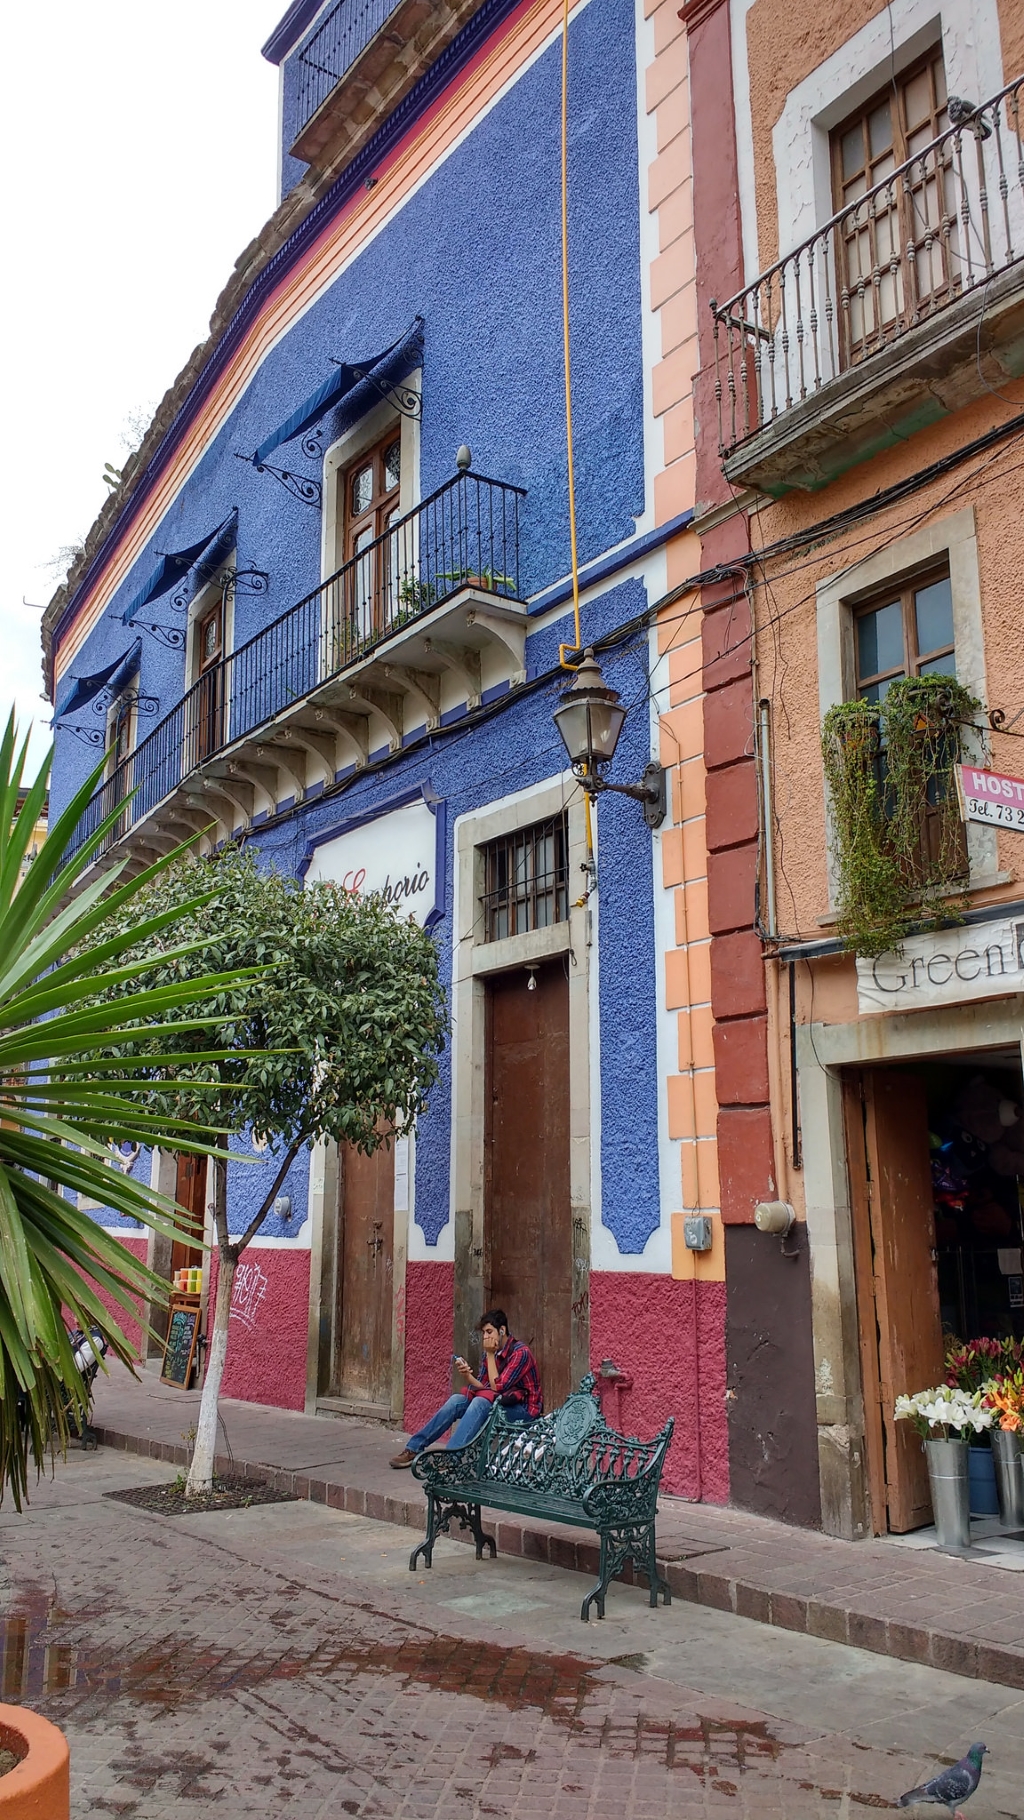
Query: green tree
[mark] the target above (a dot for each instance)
(69, 1088)
(339, 1041)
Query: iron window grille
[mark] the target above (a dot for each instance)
(526, 879)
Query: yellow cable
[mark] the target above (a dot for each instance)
(562, 649)
(574, 557)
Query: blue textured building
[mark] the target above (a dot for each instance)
(324, 612)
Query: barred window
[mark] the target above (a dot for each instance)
(526, 883)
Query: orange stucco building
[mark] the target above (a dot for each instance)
(859, 417)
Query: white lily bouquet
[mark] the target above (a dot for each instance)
(946, 1413)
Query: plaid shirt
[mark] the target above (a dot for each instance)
(518, 1378)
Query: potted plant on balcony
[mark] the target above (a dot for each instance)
(490, 580)
(414, 596)
(946, 1418)
(889, 767)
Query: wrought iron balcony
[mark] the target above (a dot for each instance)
(334, 47)
(861, 334)
(361, 61)
(435, 595)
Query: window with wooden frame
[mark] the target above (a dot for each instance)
(369, 503)
(897, 253)
(209, 676)
(908, 631)
(526, 879)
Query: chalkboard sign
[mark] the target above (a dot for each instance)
(180, 1347)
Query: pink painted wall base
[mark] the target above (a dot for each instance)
(429, 1319)
(670, 1339)
(266, 1360)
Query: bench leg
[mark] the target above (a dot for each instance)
(655, 1581)
(426, 1547)
(628, 1542)
(440, 1513)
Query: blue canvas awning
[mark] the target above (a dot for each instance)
(345, 382)
(78, 691)
(172, 568)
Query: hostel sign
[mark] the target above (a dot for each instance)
(991, 798)
(947, 967)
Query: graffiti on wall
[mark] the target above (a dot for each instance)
(247, 1292)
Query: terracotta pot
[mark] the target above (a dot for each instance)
(40, 1787)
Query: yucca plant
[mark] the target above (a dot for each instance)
(67, 1093)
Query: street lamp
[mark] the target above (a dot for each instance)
(590, 716)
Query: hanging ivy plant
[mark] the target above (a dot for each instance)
(897, 838)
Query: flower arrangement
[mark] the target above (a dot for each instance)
(970, 1364)
(946, 1413)
(1005, 1395)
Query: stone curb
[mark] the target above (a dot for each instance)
(813, 1616)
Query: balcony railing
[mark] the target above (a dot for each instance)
(465, 535)
(946, 222)
(333, 49)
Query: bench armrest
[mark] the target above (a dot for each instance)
(629, 1500)
(451, 1467)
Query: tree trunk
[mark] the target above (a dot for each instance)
(200, 1473)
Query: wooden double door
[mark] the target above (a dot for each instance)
(527, 1204)
(900, 1326)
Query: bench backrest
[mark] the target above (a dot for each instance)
(567, 1453)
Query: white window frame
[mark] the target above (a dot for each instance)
(890, 42)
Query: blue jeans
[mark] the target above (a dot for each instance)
(468, 1415)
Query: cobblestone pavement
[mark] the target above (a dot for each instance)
(283, 1661)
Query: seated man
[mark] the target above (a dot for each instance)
(509, 1377)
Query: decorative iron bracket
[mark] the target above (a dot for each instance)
(90, 736)
(171, 636)
(407, 401)
(243, 581)
(129, 698)
(300, 486)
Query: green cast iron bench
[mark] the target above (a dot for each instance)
(569, 1467)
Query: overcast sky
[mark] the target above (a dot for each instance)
(139, 152)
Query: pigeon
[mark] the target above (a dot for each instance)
(964, 113)
(953, 1785)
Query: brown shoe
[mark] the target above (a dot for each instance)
(405, 1458)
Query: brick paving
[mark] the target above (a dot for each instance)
(918, 1606)
(254, 1663)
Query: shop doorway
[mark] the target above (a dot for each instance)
(190, 1193)
(527, 1205)
(364, 1286)
(936, 1166)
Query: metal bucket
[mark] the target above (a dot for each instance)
(1009, 1477)
(951, 1498)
